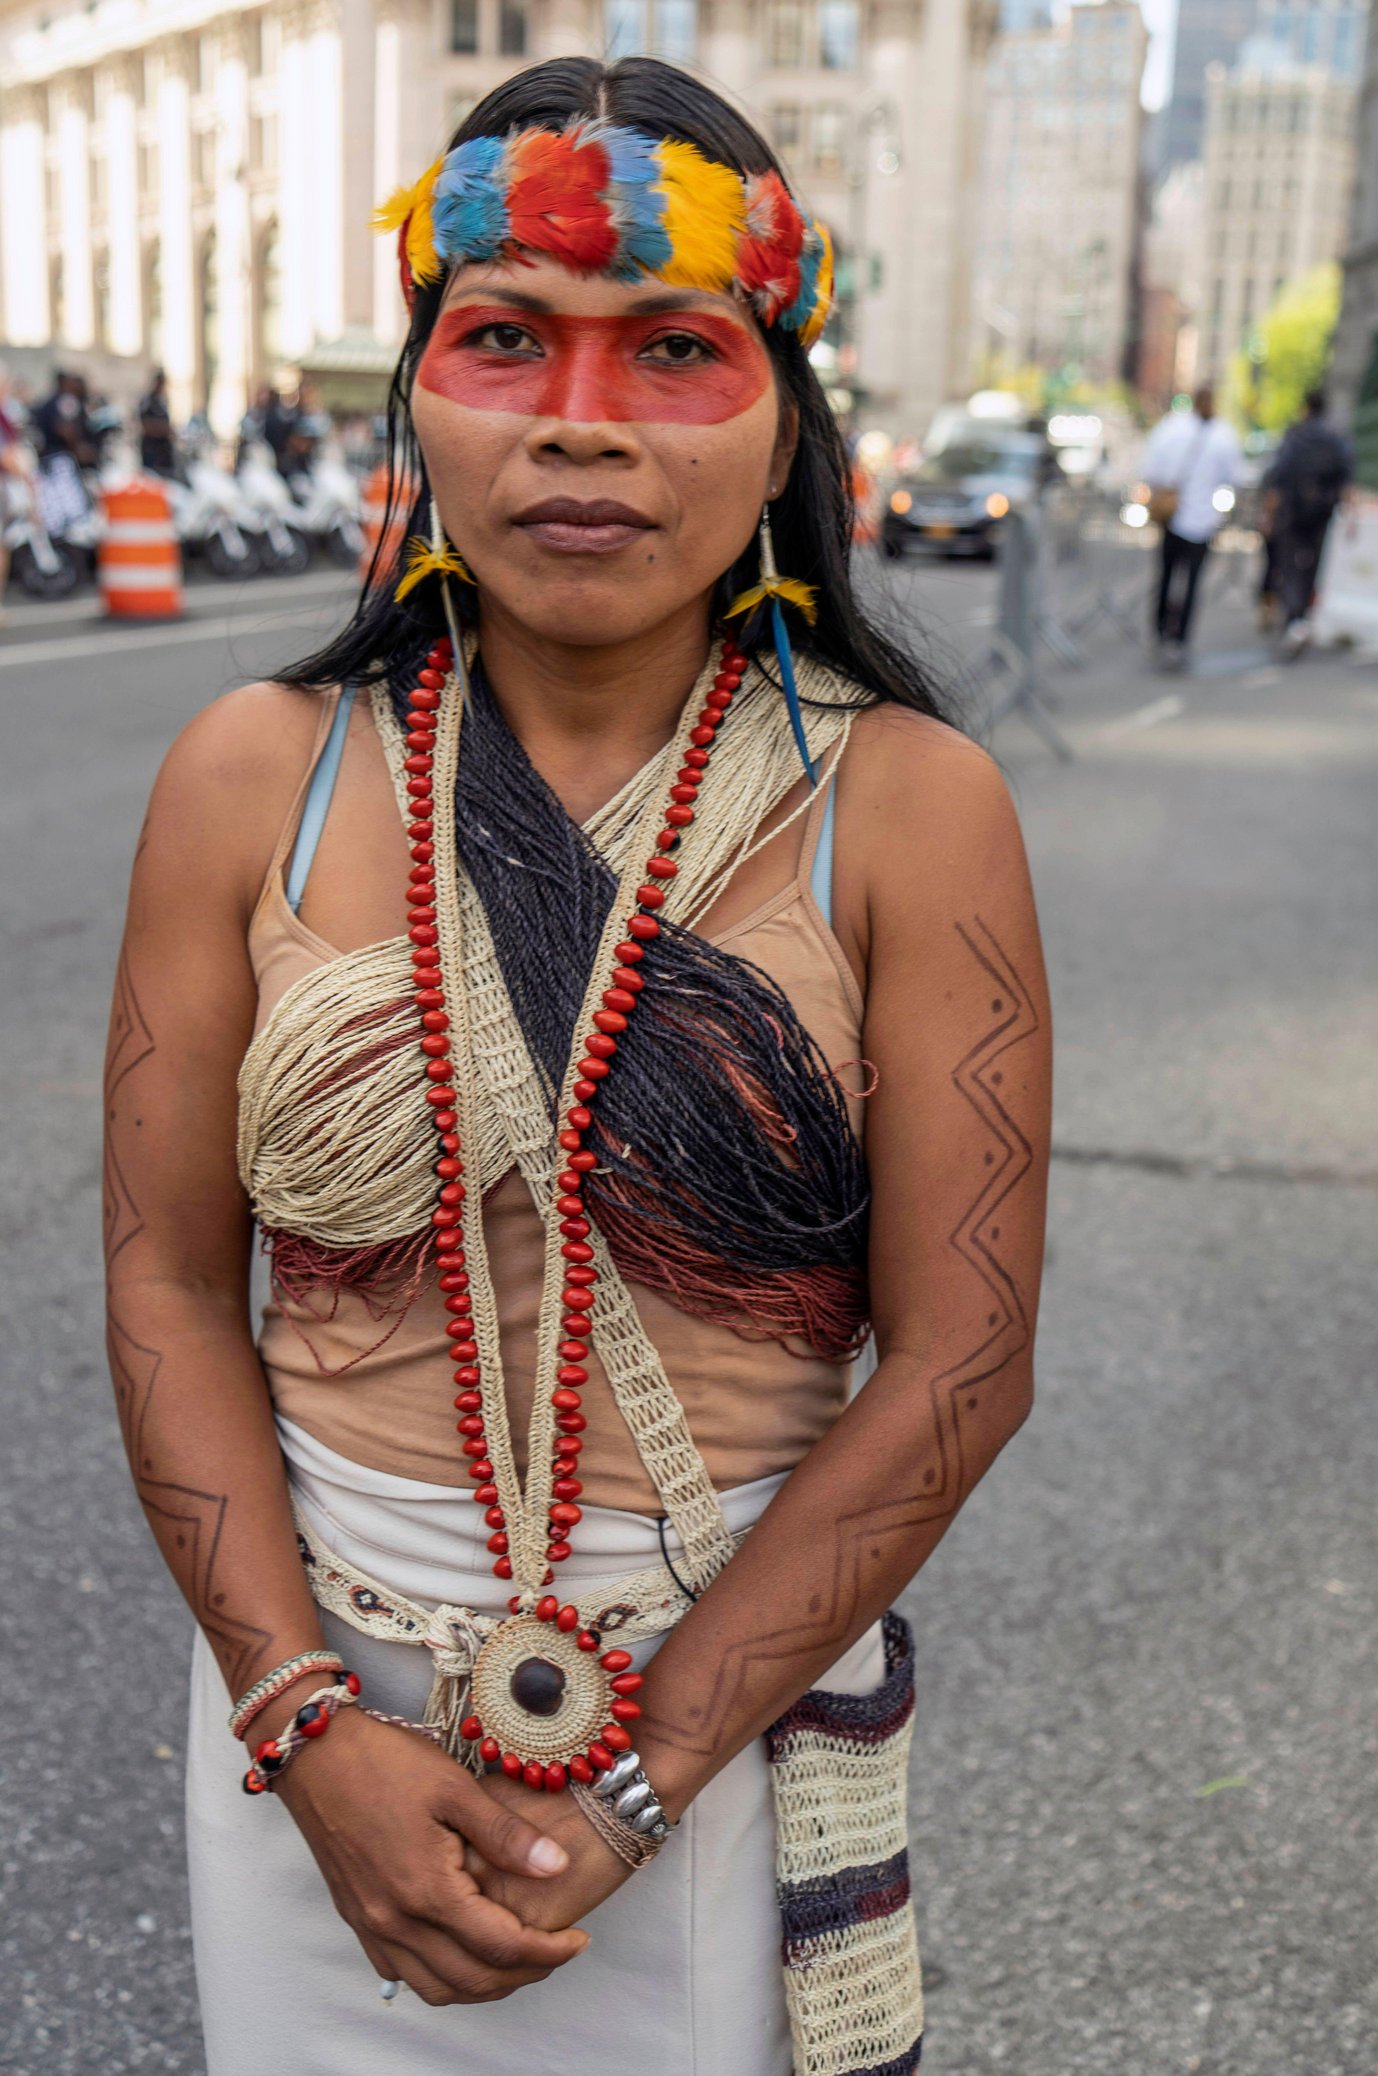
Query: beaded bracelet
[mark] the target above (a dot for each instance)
(311, 1721)
(277, 1682)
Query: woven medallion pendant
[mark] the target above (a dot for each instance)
(546, 1702)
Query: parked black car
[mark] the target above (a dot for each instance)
(954, 501)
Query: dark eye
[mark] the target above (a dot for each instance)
(505, 338)
(678, 350)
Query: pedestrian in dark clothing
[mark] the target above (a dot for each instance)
(157, 451)
(1191, 457)
(1313, 466)
(63, 425)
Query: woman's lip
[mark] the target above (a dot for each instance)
(576, 537)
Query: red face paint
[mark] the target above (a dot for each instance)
(595, 370)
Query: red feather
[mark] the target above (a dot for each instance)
(768, 255)
(556, 204)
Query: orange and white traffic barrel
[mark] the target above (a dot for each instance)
(139, 561)
(374, 510)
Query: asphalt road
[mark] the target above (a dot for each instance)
(1144, 1802)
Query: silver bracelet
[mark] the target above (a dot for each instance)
(624, 1808)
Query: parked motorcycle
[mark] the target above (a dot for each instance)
(328, 510)
(214, 518)
(284, 549)
(51, 529)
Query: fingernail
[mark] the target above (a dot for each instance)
(547, 1857)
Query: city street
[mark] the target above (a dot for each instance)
(1144, 1811)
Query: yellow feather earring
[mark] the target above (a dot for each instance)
(431, 558)
(778, 591)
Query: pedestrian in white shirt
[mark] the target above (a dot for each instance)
(1190, 455)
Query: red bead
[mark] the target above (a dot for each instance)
(498, 1544)
(594, 1070)
(268, 1750)
(471, 1728)
(650, 895)
(569, 1179)
(616, 1661)
(429, 998)
(579, 1117)
(427, 696)
(702, 735)
(514, 1605)
(486, 1495)
(566, 1488)
(421, 912)
(419, 737)
(439, 1071)
(572, 1374)
(427, 975)
(254, 1783)
(645, 927)
(474, 1445)
(557, 1552)
(662, 868)
(582, 1274)
(453, 1193)
(419, 832)
(576, 1299)
(696, 760)
(468, 1375)
(419, 761)
(495, 1518)
(567, 1619)
(435, 1020)
(625, 1711)
(627, 1682)
(584, 1088)
(450, 1142)
(616, 1738)
(481, 1471)
(609, 1020)
(629, 953)
(574, 1323)
(445, 1120)
(422, 933)
(684, 793)
(547, 1609)
(570, 1445)
(459, 1303)
(570, 1140)
(574, 1228)
(580, 1769)
(586, 1640)
(469, 1401)
(602, 1047)
(628, 979)
(448, 1168)
(600, 1755)
(564, 1514)
(570, 1206)
(423, 852)
(503, 1568)
(490, 1750)
(511, 1766)
(571, 1423)
(679, 817)
(567, 1401)
(533, 1773)
(436, 1045)
(312, 1721)
(555, 1777)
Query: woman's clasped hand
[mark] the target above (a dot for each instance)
(463, 1889)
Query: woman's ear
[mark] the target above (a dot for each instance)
(782, 455)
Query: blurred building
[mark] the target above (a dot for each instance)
(1208, 32)
(191, 184)
(1060, 195)
(1173, 261)
(1279, 158)
(1355, 365)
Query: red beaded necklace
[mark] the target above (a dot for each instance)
(599, 1049)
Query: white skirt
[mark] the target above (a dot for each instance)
(683, 1977)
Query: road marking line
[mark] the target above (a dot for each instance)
(1165, 709)
(77, 645)
(23, 617)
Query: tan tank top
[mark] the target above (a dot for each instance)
(377, 1390)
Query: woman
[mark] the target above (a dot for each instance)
(559, 1160)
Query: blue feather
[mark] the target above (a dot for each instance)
(810, 266)
(784, 656)
(470, 205)
(637, 206)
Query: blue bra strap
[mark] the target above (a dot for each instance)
(821, 876)
(317, 804)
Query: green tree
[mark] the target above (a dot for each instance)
(1288, 354)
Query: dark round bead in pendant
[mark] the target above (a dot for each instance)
(538, 1686)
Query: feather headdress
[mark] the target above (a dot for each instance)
(604, 199)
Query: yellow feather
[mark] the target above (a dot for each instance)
(425, 561)
(705, 215)
(412, 206)
(788, 589)
(823, 303)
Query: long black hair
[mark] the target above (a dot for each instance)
(812, 518)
